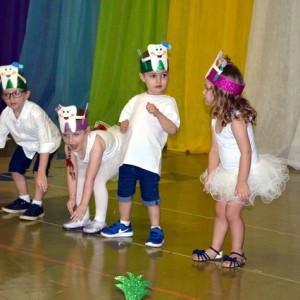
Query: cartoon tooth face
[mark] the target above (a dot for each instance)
(67, 118)
(159, 57)
(9, 73)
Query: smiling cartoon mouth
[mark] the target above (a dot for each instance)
(66, 118)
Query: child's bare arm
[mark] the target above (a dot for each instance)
(167, 125)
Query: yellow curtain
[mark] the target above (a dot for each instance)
(197, 30)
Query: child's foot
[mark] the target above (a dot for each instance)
(33, 213)
(94, 227)
(17, 207)
(207, 255)
(156, 238)
(117, 230)
(235, 260)
(78, 225)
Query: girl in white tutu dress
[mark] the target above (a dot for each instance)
(236, 174)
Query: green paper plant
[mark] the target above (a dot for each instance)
(133, 287)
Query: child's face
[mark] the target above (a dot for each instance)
(208, 93)
(15, 98)
(75, 140)
(156, 82)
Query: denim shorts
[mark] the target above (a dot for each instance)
(19, 163)
(128, 176)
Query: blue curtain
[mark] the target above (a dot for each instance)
(58, 51)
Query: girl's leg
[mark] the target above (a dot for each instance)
(105, 173)
(237, 230)
(219, 232)
(81, 176)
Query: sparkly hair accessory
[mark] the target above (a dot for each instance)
(68, 119)
(214, 75)
(10, 77)
(157, 59)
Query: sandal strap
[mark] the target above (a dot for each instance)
(239, 254)
(201, 254)
(234, 262)
(218, 253)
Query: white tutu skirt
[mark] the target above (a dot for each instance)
(267, 179)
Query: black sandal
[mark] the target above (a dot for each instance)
(201, 254)
(235, 262)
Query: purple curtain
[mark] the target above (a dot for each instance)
(13, 15)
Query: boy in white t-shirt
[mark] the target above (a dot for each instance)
(35, 135)
(147, 119)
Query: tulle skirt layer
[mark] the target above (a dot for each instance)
(267, 179)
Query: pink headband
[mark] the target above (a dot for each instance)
(214, 76)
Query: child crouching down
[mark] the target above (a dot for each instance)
(92, 159)
(35, 135)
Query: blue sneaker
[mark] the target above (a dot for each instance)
(117, 230)
(156, 238)
(33, 213)
(17, 207)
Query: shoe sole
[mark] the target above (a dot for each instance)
(91, 233)
(149, 244)
(73, 228)
(124, 234)
(29, 218)
(13, 211)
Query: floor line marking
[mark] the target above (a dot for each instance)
(49, 259)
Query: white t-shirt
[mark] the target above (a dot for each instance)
(228, 148)
(145, 137)
(33, 130)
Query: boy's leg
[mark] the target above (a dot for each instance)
(18, 165)
(35, 210)
(150, 197)
(126, 189)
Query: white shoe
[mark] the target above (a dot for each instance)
(94, 227)
(78, 225)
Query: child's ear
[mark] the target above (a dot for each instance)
(27, 93)
(142, 77)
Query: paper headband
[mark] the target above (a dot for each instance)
(214, 75)
(69, 122)
(10, 77)
(157, 59)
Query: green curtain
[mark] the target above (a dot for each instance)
(197, 30)
(124, 26)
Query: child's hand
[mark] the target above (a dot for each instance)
(78, 213)
(70, 206)
(242, 191)
(124, 126)
(41, 181)
(206, 184)
(152, 109)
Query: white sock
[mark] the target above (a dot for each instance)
(126, 223)
(37, 202)
(155, 227)
(25, 198)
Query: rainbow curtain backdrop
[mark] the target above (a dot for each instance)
(78, 51)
